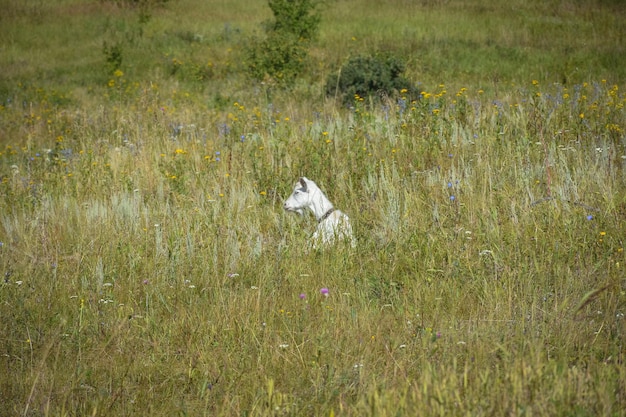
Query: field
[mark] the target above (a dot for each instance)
(148, 267)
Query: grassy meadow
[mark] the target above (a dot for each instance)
(148, 267)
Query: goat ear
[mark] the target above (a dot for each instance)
(303, 183)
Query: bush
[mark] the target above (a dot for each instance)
(296, 17)
(370, 77)
(282, 53)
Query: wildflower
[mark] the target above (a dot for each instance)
(324, 291)
(263, 193)
(589, 217)
(302, 296)
(602, 233)
(179, 151)
(452, 198)
(118, 73)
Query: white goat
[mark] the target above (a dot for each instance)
(332, 223)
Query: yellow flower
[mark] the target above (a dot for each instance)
(179, 151)
(263, 193)
(118, 73)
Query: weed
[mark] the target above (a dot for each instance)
(147, 265)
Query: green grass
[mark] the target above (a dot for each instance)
(149, 269)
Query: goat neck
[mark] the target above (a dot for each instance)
(320, 205)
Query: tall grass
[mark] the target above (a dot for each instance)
(148, 266)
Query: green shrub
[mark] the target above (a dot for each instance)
(371, 77)
(296, 17)
(282, 53)
(113, 56)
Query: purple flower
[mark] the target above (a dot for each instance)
(590, 217)
(302, 296)
(452, 198)
(324, 291)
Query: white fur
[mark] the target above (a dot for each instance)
(332, 224)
